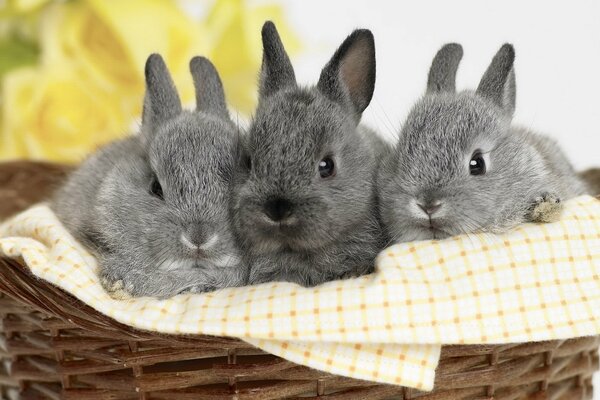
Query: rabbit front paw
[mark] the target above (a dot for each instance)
(546, 208)
(199, 289)
(117, 288)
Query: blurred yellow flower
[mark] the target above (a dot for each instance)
(85, 85)
(52, 115)
(24, 6)
(89, 87)
(236, 47)
(111, 40)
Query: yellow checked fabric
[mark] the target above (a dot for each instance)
(538, 282)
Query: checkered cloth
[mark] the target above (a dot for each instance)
(539, 282)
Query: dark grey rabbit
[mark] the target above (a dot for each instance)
(460, 166)
(154, 207)
(304, 199)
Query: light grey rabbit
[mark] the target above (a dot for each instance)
(460, 166)
(304, 199)
(154, 207)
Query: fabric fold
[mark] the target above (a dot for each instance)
(538, 282)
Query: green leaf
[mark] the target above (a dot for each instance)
(16, 53)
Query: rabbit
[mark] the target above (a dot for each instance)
(304, 197)
(460, 166)
(154, 208)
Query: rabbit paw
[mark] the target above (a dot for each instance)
(546, 208)
(199, 289)
(117, 289)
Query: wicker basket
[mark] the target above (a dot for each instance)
(55, 347)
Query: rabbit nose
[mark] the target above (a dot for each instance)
(430, 207)
(278, 209)
(194, 237)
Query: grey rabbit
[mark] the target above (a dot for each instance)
(154, 208)
(304, 197)
(460, 166)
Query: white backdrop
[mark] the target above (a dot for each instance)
(557, 67)
(557, 45)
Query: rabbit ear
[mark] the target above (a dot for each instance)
(277, 72)
(498, 82)
(210, 96)
(349, 77)
(161, 102)
(442, 74)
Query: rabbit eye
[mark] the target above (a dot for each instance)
(326, 167)
(477, 164)
(156, 189)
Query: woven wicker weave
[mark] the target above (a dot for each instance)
(55, 347)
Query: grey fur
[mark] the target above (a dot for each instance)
(527, 174)
(210, 96)
(137, 237)
(349, 77)
(277, 72)
(498, 82)
(442, 74)
(161, 102)
(333, 231)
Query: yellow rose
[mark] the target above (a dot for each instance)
(89, 86)
(111, 40)
(20, 18)
(56, 114)
(25, 6)
(236, 47)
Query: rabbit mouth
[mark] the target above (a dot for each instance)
(290, 235)
(281, 232)
(431, 229)
(221, 260)
(215, 251)
(284, 240)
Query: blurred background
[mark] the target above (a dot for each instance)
(71, 72)
(557, 63)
